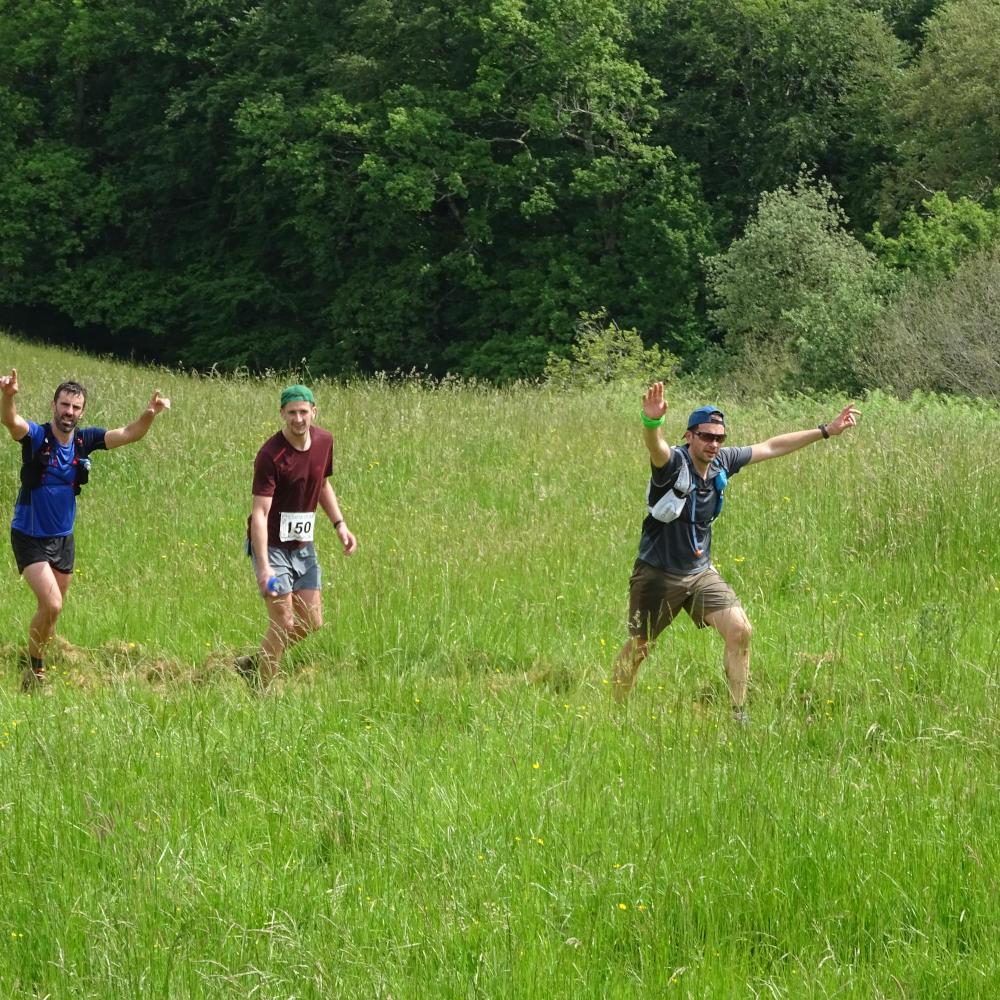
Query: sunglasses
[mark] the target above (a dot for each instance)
(710, 438)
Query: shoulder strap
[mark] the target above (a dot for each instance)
(721, 480)
(665, 501)
(685, 472)
(34, 462)
(30, 455)
(679, 482)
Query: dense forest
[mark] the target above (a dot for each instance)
(805, 191)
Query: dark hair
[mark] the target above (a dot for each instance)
(71, 389)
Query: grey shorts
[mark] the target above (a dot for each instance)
(59, 552)
(294, 569)
(655, 597)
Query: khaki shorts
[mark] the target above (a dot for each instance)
(655, 597)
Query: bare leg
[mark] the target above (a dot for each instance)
(290, 618)
(635, 650)
(308, 607)
(734, 627)
(280, 625)
(49, 587)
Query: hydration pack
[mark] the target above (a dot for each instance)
(35, 464)
(666, 503)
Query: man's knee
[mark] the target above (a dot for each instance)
(635, 649)
(303, 628)
(282, 620)
(50, 603)
(313, 621)
(733, 625)
(740, 628)
(626, 668)
(641, 644)
(308, 614)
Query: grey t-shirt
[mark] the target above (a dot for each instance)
(685, 545)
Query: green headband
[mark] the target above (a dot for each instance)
(294, 393)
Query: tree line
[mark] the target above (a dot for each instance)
(383, 184)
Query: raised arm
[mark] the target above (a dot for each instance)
(784, 444)
(136, 430)
(16, 425)
(654, 407)
(328, 501)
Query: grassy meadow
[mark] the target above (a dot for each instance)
(438, 799)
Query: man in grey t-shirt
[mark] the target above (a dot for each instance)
(674, 568)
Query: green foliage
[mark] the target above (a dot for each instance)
(753, 89)
(796, 293)
(933, 242)
(382, 186)
(948, 117)
(420, 187)
(602, 352)
(905, 17)
(942, 336)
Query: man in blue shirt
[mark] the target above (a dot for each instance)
(55, 464)
(674, 568)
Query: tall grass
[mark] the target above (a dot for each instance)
(438, 799)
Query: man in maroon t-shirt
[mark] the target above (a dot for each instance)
(289, 482)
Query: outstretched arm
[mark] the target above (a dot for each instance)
(784, 444)
(328, 501)
(654, 407)
(16, 425)
(137, 429)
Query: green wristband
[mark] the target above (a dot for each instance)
(649, 422)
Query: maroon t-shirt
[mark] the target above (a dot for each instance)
(293, 479)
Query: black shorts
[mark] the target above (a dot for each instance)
(59, 552)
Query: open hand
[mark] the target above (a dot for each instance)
(653, 403)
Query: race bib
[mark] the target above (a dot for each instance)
(297, 527)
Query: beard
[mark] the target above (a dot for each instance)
(67, 422)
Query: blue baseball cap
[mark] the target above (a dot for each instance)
(706, 415)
